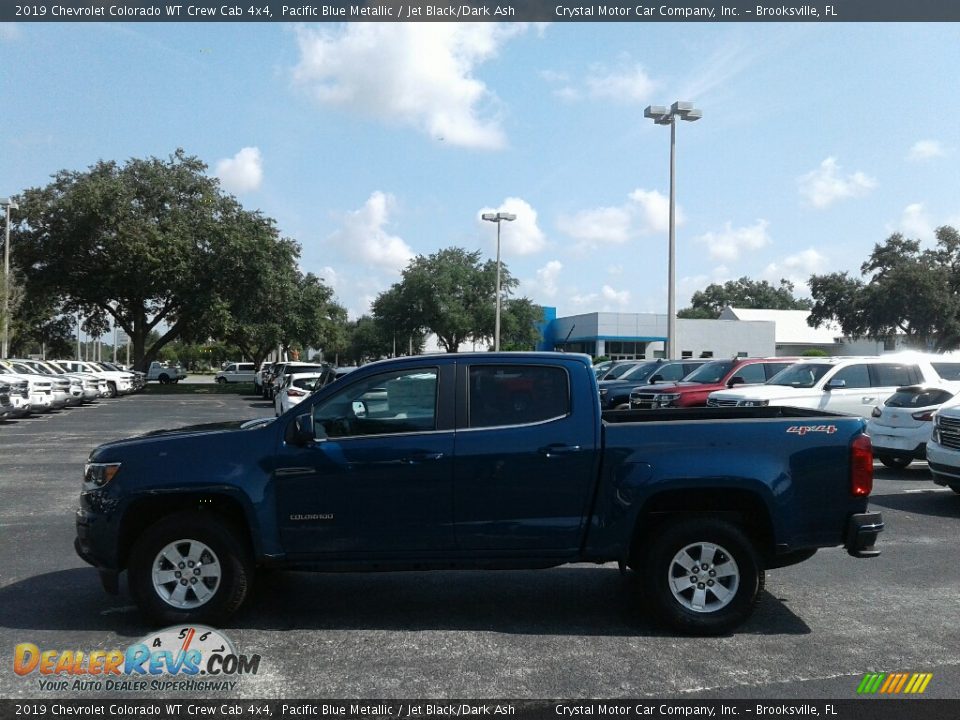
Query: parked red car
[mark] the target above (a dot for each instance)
(693, 390)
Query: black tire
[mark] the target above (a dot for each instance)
(894, 462)
(221, 381)
(112, 389)
(673, 603)
(222, 544)
(164, 379)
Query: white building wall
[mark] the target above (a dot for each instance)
(726, 338)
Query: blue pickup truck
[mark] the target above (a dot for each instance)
(485, 460)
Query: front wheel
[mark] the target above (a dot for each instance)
(894, 462)
(189, 567)
(703, 575)
(221, 381)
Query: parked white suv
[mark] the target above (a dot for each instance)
(943, 447)
(118, 383)
(851, 386)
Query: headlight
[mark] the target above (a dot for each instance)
(666, 399)
(754, 403)
(99, 474)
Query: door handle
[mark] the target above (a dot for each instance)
(868, 399)
(422, 457)
(558, 450)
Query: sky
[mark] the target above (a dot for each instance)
(372, 143)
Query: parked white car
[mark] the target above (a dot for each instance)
(295, 388)
(851, 386)
(943, 447)
(901, 426)
(237, 372)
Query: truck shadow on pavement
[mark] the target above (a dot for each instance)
(574, 600)
(930, 501)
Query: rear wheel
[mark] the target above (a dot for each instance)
(189, 567)
(703, 575)
(895, 462)
(164, 379)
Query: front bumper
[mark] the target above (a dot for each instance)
(862, 532)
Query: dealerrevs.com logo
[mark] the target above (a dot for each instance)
(894, 683)
(174, 659)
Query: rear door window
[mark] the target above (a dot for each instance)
(516, 394)
(895, 375)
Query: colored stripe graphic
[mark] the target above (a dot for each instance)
(894, 683)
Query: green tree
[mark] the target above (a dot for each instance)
(450, 293)
(902, 290)
(153, 244)
(518, 324)
(744, 293)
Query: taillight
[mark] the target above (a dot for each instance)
(925, 415)
(293, 392)
(861, 466)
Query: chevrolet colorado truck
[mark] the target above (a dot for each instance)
(478, 461)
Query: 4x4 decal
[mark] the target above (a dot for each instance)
(804, 429)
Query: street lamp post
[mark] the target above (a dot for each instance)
(9, 205)
(497, 218)
(662, 116)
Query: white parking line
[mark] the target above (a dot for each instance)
(928, 490)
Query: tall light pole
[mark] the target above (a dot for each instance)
(497, 218)
(9, 205)
(662, 116)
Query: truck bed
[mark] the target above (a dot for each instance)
(714, 413)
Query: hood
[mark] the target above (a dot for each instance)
(764, 392)
(674, 386)
(189, 431)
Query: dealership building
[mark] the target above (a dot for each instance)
(738, 332)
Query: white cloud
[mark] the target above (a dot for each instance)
(654, 211)
(825, 185)
(915, 223)
(243, 172)
(645, 212)
(796, 268)
(925, 150)
(521, 236)
(620, 298)
(417, 74)
(727, 244)
(605, 225)
(545, 284)
(629, 84)
(364, 236)
(10, 31)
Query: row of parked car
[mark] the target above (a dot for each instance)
(29, 386)
(285, 383)
(911, 400)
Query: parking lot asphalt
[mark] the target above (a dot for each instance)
(568, 632)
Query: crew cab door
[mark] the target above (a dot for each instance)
(526, 455)
(378, 477)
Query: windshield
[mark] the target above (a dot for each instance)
(801, 375)
(710, 373)
(640, 372)
(617, 370)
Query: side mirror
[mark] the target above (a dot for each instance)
(835, 385)
(359, 408)
(735, 380)
(305, 429)
(656, 378)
